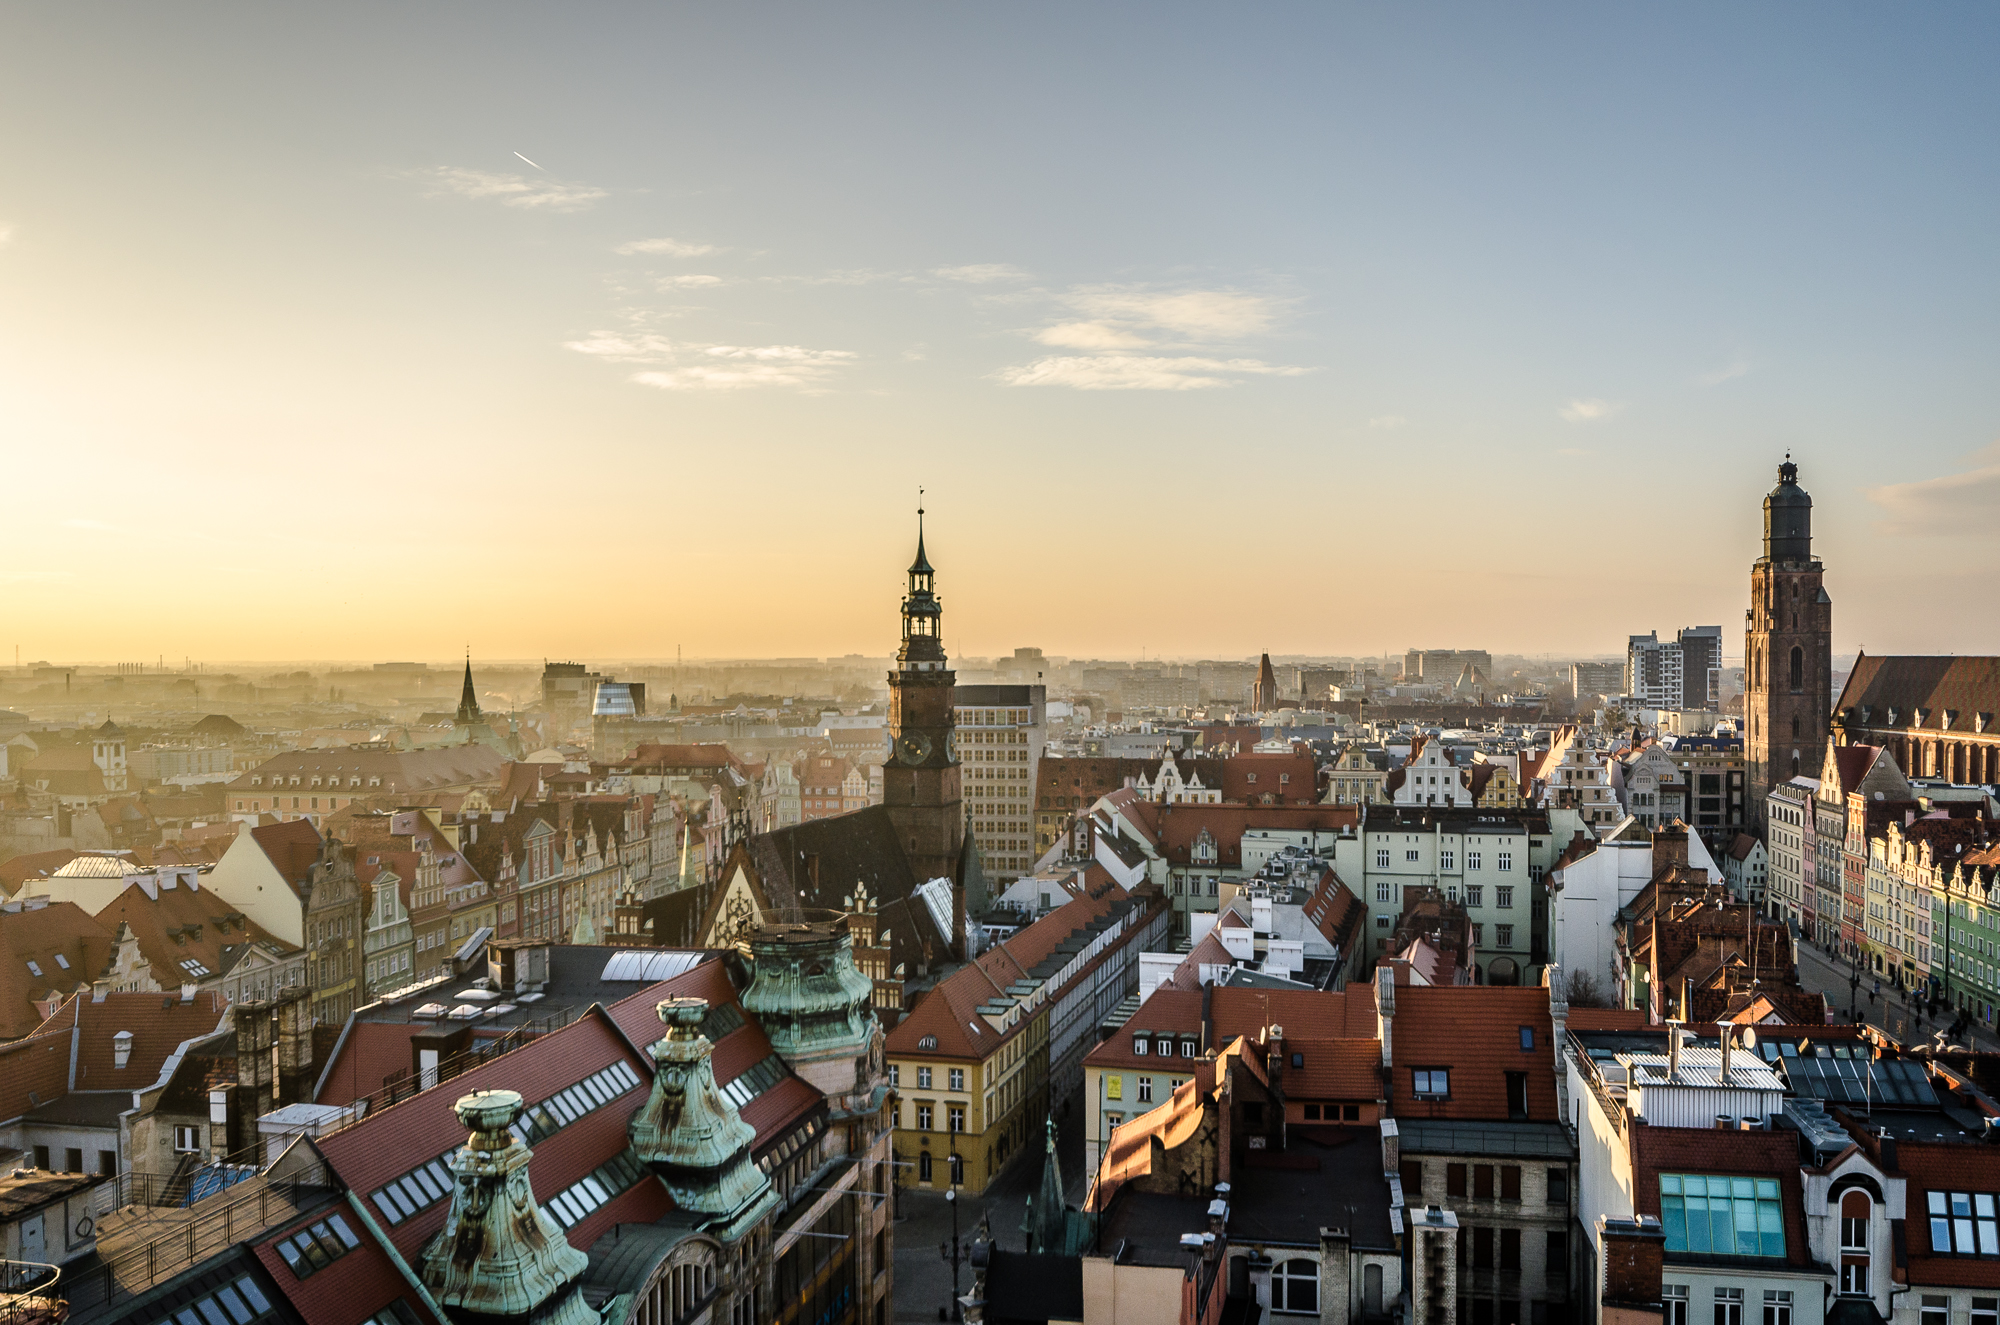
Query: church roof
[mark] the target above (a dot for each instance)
(1965, 686)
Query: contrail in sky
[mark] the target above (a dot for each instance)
(526, 159)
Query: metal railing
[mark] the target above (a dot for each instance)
(30, 1293)
(212, 1226)
(170, 1189)
(405, 1083)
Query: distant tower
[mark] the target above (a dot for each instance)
(920, 783)
(468, 700)
(1787, 649)
(1264, 693)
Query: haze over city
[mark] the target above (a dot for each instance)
(1323, 330)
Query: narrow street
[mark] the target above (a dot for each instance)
(923, 1277)
(1907, 1022)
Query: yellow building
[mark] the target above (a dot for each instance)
(1497, 790)
(969, 1068)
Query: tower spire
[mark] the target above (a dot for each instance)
(468, 698)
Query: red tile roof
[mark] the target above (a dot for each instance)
(1474, 1031)
(62, 942)
(159, 1023)
(1657, 1150)
(1348, 1069)
(292, 848)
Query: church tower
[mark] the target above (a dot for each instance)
(468, 700)
(1787, 649)
(920, 783)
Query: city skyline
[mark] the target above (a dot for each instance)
(1486, 330)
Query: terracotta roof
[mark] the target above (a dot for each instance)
(35, 865)
(292, 848)
(1607, 1019)
(400, 771)
(33, 1071)
(184, 925)
(679, 756)
(1967, 686)
(1931, 1167)
(1173, 829)
(46, 950)
(1475, 1032)
(1347, 1069)
(159, 1025)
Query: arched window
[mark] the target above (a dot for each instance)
(1795, 726)
(1295, 1287)
(1854, 1212)
(1798, 669)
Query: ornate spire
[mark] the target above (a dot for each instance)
(499, 1257)
(922, 565)
(693, 1137)
(468, 698)
(1049, 1212)
(923, 643)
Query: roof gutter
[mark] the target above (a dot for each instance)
(333, 1054)
(402, 1266)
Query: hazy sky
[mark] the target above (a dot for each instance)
(1311, 328)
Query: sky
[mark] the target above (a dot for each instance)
(591, 330)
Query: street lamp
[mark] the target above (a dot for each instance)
(949, 1251)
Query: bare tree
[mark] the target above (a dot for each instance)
(1581, 990)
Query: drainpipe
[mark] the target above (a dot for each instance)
(402, 1266)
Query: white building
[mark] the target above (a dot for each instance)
(1790, 839)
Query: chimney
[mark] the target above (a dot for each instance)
(1722, 1029)
(1385, 1012)
(1670, 846)
(1673, 1049)
(1634, 1252)
(499, 1257)
(121, 1049)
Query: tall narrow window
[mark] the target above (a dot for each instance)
(1798, 669)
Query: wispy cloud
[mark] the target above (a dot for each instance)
(517, 190)
(1588, 411)
(686, 367)
(1118, 322)
(981, 273)
(1967, 503)
(1737, 368)
(1387, 421)
(673, 248)
(1131, 372)
(689, 282)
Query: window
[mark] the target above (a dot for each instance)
(1558, 1186)
(1503, 895)
(187, 1140)
(955, 1116)
(1728, 1306)
(1527, 1039)
(1510, 1248)
(1674, 1297)
(1722, 1216)
(1555, 1266)
(957, 1078)
(1479, 936)
(923, 1166)
(1139, 1044)
(1510, 1182)
(241, 1301)
(1985, 1310)
(923, 1117)
(1472, 860)
(1410, 855)
(1482, 1248)
(317, 1245)
(1454, 1180)
(1963, 1224)
(1434, 1082)
(1413, 1181)
(895, 1075)
(1937, 1311)
(1503, 935)
(1187, 1048)
(1145, 1090)
(1295, 1287)
(923, 1078)
(1446, 860)
(1777, 1306)
(1505, 861)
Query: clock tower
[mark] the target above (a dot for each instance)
(920, 783)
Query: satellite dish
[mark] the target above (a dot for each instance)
(1749, 1037)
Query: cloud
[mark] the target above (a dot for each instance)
(1090, 336)
(684, 367)
(1130, 372)
(1587, 411)
(1737, 368)
(981, 273)
(673, 248)
(1195, 314)
(689, 282)
(6, 235)
(1387, 421)
(1967, 503)
(518, 191)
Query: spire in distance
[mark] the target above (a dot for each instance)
(468, 698)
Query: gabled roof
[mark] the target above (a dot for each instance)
(46, 949)
(1474, 1031)
(184, 932)
(158, 1023)
(1965, 685)
(292, 847)
(816, 864)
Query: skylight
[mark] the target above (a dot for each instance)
(62, 961)
(33, 969)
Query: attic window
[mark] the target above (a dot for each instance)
(1139, 1045)
(34, 969)
(62, 961)
(928, 1042)
(1527, 1039)
(193, 967)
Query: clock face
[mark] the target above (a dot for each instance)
(951, 746)
(915, 748)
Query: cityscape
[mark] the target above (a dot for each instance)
(652, 823)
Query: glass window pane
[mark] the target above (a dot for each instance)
(211, 1312)
(1961, 1235)
(1742, 1186)
(1746, 1228)
(1696, 1186)
(1961, 1204)
(1674, 1222)
(1670, 1184)
(1937, 1203)
(291, 1255)
(394, 1215)
(1767, 1189)
(233, 1304)
(1697, 1221)
(1982, 1205)
(186, 1316)
(1721, 1228)
(345, 1233)
(1940, 1235)
(1989, 1238)
(253, 1294)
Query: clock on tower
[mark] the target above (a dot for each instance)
(920, 782)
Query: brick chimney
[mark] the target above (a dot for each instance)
(1634, 1252)
(1670, 845)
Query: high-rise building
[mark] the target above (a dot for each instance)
(1443, 666)
(1680, 673)
(1589, 679)
(1001, 732)
(1788, 648)
(921, 780)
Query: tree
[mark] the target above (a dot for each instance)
(1581, 990)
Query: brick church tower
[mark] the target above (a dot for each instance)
(1787, 649)
(920, 783)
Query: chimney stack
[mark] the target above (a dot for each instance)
(1673, 1049)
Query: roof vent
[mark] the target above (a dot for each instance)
(121, 1049)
